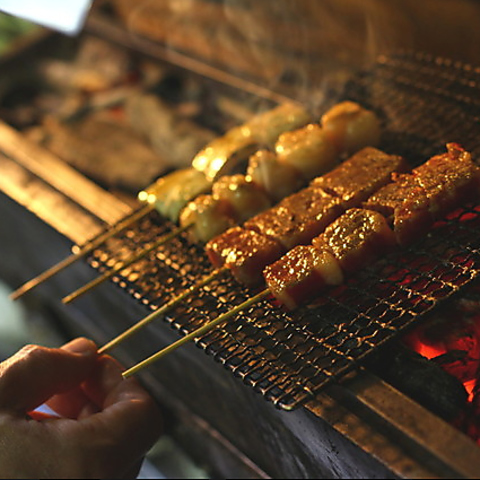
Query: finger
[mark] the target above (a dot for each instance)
(103, 380)
(35, 374)
(71, 404)
(130, 422)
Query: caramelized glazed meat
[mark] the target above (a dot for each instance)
(298, 218)
(414, 201)
(302, 273)
(448, 179)
(404, 204)
(349, 243)
(355, 238)
(244, 252)
(361, 175)
(389, 198)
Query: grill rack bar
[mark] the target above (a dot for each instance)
(291, 357)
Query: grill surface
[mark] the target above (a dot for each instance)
(425, 102)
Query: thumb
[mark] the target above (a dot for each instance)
(34, 374)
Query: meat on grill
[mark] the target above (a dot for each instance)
(208, 216)
(356, 237)
(244, 252)
(278, 179)
(246, 198)
(414, 201)
(302, 216)
(359, 235)
(298, 218)
(302, 273)
(299, 155)
(361, 175)
(347, 244)
(351, 127)
(302, 149)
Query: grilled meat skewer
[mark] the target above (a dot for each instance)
(245, 251)
(352, 241)
(171, 193)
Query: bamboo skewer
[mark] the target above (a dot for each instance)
(106, 276)
(161, 311)
(196, 334)
(80, 252)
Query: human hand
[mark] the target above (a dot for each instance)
(107, 424)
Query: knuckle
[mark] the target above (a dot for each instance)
(34, 352)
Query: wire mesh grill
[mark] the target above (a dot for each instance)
(288, 357)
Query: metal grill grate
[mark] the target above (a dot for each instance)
(425, 102)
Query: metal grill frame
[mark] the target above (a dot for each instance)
(289, 357)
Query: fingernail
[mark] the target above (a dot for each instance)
(81, 346)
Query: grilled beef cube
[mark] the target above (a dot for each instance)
(301, 274)
(244, 252)
(449, 179)
(414, 201)
(361, 175)
(391, 197)
(298, 218)
(356, 238)
(412, 219)
(405, 204)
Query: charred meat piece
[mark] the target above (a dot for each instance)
(449, 179)
(356, 238)
(405, 205)
(361, 175)
(244, 252)
(389, 198)
(301, 274)
(414, 201)
(353, 240)
(298, 218)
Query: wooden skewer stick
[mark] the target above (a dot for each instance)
(106, 276)
(196, 334)
(80, 252)
(162, 310)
